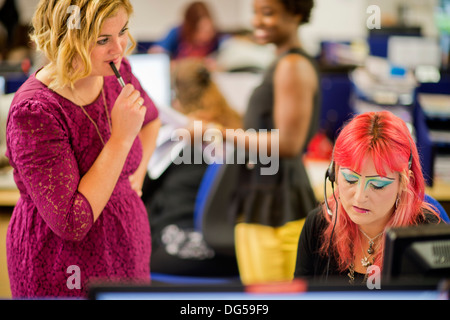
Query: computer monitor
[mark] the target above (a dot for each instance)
(153, 72)
(417, 253)
(2, 85)
(236, 294)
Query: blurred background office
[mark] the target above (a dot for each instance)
(372, 54)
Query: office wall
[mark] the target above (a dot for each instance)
(153, 18)
(331, 19)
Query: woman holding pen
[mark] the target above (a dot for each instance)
(79, 144)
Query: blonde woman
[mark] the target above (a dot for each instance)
(79, 144)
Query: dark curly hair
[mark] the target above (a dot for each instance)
(302, 7)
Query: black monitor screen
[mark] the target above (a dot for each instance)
(417, 253)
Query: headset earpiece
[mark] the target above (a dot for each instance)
(410, 160)
(331, 172)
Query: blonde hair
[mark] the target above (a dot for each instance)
(200, 97)
(62, 43)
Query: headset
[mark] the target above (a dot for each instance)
(330, 174)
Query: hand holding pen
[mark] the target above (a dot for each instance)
(127, 115)
(120, 79)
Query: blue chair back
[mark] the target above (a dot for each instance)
(204, 191)
(443, 214)
(211, 215)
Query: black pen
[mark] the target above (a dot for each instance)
(118, 76)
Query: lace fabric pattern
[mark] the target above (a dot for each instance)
(51, 144)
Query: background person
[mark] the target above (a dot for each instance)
(178, 248)
(270, 209)
(79, 144)
(197, 35)
(9, 20)
(379, 184)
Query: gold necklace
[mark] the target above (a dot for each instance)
(351, 275)
(89, 117)
(365, 260)
(371, 250)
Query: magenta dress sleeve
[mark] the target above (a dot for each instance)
(48, 169)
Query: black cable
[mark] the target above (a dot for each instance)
(332, 231)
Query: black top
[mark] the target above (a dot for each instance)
(311, 264)
(276, 199)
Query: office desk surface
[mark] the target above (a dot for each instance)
(9, 197)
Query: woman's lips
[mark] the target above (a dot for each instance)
(360, 210)
(115, 61)
(260, 34)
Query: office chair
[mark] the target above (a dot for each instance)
(211, 211)
(442, 213)
(211, 219)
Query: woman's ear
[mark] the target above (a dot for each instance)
(405, 180)
(411, 177)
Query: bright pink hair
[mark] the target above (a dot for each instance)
(386, 139)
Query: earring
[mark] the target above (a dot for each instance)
(397, 202)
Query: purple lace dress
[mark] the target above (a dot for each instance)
(52, 242)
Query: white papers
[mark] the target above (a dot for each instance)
(435, 105)
(165, 146)
(376, 83)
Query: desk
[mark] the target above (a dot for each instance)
(5, 216)
(9, 197)
(440, 190)
(316, 172)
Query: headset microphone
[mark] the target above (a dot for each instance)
(330, 174)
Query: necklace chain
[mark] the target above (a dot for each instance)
(89, 117)
(371, 250)
(369, 238)
(365, 260)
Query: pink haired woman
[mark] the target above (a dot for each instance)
(379, 184)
